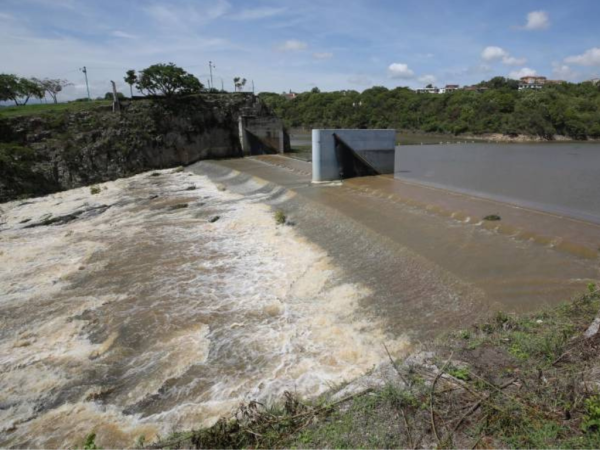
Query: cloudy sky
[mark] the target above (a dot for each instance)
(282, 45)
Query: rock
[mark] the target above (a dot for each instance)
(492, 217)
(61, 220)
(592, 329)
(382, 375)
(385, 373)
(214, 219)
(81, 148)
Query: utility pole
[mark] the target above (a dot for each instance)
(211, 66)
(222, 88)
(253, 86)
(84, 70)
(208, 82)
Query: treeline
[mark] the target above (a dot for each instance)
(567, 109)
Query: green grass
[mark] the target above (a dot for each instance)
(50, 108)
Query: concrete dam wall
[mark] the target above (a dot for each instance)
(339, 154)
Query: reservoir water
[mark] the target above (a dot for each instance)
(562, 178)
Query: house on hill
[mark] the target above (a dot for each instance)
(290, 95)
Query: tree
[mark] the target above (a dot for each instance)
(131, 79)
(9, 86)
(109, 96)
(168, 80)
(239, 83)
(15, 88)
(52, 86)
(30, 88)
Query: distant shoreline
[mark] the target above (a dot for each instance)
(411, 137)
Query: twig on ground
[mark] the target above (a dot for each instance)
(395, 366)
(431, 394)
(408, 433)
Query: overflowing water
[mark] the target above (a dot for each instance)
(160, 303)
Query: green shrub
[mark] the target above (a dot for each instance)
(280, 217)
(90, 442)
(94, 190)
(591, 420)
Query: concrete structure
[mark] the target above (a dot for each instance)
(536, 83)
(435, 90)
(262, 135)
(427, 90)
(339, 154)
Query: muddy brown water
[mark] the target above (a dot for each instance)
(150, 318)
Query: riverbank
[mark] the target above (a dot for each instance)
(527, 381)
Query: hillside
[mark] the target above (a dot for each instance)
(571, 110)
(48, 148)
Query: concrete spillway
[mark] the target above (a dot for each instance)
(404, 238)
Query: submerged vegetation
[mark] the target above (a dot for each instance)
(510, 382)
(567, 109)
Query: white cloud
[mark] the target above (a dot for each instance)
(123, 34)
(428, 79)
(258, 13)
(292, 45)
(400, 70)
(492, 53)
(524, 72)
(563, 72)
(323, 55)
(512, 61)
(590, 57)
(537, 20)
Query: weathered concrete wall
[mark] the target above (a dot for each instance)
(262, 135)
(377, 147)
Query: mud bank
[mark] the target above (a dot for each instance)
(164, 310)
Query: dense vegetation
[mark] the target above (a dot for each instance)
(567, 109)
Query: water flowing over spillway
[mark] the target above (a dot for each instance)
(160, 303)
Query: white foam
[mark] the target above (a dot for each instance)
(146, 298)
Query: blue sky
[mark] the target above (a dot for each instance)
(297, 45)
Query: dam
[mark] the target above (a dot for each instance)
(165, 299)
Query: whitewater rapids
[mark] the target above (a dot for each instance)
(161, 303)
